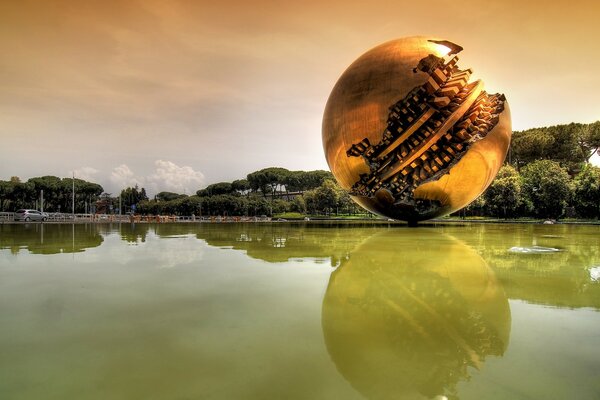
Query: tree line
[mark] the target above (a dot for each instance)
(57, 194)
(547, 174)
(269, 191)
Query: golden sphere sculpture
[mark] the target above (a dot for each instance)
(409, 136)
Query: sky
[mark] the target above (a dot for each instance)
(174, 95)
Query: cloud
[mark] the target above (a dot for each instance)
(168, 176)
(122, 177)
(86, 173)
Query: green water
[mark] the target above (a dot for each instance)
(295, 311)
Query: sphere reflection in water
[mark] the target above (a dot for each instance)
(408, 323)
(408, 133)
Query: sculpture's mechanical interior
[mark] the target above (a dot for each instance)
(427, 132)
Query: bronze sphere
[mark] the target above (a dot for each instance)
(407, 134)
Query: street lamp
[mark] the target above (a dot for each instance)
(73, 197)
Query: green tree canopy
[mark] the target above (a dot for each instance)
(57, 193)
(131, 196)
(504, 196)
(168, 196)
(548, 187)
(240, 185)
(570, 145)
(216, 189)
(586, 195)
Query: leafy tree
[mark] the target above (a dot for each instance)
(183, 206)
(54, 191)
(224, 204)
(476, 207)
(293, 181)
(586, 196)
(151, 207)
(85, 193)
(310, 201)
(327, 196)
(590, 139)
(58, 193)
(345, 204)
(314, 179)
(23, 195)
(547, 185)
(168, 196)
(280, 206)
(132, 196)
(298, 204)
(219, 188)
(268, 180)
(257, 206)
(530, 145)
(241, 186)
(6, 191)
(571, 145)
(504, 196)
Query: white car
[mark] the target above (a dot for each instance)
(30, 215)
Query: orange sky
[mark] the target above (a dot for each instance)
(109, 88)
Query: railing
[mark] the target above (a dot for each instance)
(67, 217)
(7, 217)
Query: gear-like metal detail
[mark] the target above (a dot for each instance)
(428, 131)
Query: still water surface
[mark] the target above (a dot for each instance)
(296, 311)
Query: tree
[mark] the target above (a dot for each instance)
(586, 194)
(53, 191)
(327, 196)
(310, 201)
(241, 186)
(571, 145)
(530, 145)
(6, 190)
(257, 206)
(476, 207)
(314, 179)
(131, 196)
(152, 207)
(168, 196)
(298, 204)
(590, 139)
(504, 196)
(23, 195)
(268, 180)
(547, 185)
(219, 188)
(345, 202)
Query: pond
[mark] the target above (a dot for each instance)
(299, 311)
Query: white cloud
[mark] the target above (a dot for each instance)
(168, 176)
(122, 177)
(86, 173)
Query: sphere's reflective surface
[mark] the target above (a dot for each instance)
(405, 325)
(407, 134)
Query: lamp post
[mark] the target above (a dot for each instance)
(73, 198)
